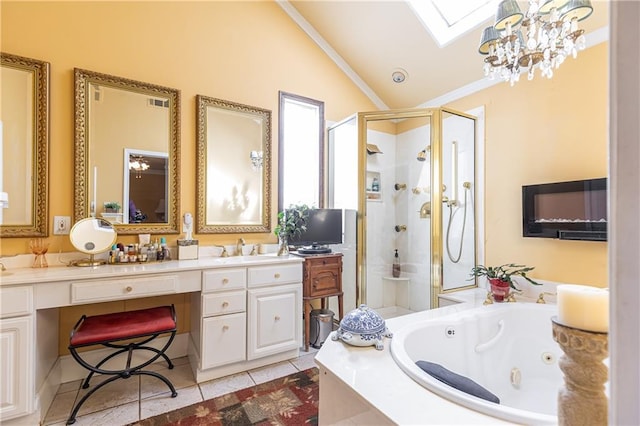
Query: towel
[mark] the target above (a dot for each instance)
(457, 381)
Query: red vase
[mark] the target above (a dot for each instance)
(500, 289)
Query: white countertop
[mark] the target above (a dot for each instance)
(376, 377)
(17, 276)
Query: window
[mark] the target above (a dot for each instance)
(301, 153)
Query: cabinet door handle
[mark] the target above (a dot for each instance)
(225, 304)
(277, 318)
(129, 289)
(225, 327)
(276, 275)
(225, 281)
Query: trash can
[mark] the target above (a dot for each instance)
(320, 326)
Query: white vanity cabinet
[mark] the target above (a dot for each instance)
(224, 318)
(246, 317)
(16, 337)
(275, 309)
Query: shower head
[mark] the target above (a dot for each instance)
(422, 155)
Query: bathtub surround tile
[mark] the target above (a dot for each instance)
(225, 385)
(164, 402)
(271, 372)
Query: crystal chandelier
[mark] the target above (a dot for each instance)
(138, 164)
(542, 38)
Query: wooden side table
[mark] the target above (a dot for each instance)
(321, 278)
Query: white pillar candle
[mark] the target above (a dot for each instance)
(583, 307)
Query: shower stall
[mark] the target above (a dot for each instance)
(413, 190)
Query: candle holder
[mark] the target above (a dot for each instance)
(39, 248)
(582, 399)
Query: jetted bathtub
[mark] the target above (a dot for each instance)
(506, 348)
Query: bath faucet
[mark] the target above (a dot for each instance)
(239, 246)
(254, 252)
(541, 296)
(224, 252)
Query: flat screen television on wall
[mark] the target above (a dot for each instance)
(574, 210)
(324, 227)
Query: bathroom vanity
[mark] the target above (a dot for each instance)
(246, 312)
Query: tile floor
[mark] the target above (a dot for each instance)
(126, 401)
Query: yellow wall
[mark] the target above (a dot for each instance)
(243, 52)
(544, 131)
(238, 51)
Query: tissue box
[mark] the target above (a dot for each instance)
(187, 249)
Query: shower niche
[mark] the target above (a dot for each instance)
(424, 150)
(373, 186)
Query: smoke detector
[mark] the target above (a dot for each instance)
(399, 75)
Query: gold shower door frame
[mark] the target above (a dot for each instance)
(435, 116)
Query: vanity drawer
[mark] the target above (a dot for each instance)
(16, 301)
(223, 279)
(259, 276)
(105, 290)
(224, 303)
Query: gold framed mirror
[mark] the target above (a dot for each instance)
(24, 147)
(127, 151)
(233, 167)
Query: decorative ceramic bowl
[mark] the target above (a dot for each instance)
(362, 327)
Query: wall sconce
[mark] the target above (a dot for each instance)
(4, 200)
(256, 159)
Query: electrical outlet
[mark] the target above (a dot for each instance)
(61, 225)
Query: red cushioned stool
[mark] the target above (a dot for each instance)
(144, 325)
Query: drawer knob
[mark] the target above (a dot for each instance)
(129, 289)
(225, 327)
(225, 304)
(277, 318)
(225, 281)
(276, 275)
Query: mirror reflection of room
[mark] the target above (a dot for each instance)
(139, 183)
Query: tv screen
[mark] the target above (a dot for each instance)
(324, 226)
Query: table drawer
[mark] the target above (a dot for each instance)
(224, 303)
(105, 290)
(224, 279)
(259, 276)
(16, 301)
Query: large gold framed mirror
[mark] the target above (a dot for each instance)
(127, 151)
(233, 167)
(24, 147)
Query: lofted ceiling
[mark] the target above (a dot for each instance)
(370, 39)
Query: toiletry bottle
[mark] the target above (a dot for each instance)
(166, 254)
(375, 185)
(160, 253)
(396, 265)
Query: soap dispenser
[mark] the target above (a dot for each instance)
(396, 265)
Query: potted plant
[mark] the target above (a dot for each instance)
(501, 278)
(111, 207)
(292, 221)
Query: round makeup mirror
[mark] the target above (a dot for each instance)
(92, 236)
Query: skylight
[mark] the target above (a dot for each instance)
(447, 20)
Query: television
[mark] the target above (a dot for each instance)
(324, 226)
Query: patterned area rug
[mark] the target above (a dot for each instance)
(290, 400)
